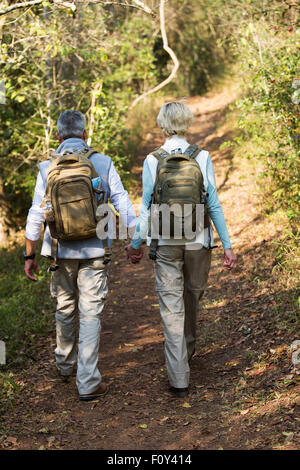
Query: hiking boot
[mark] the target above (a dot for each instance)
(65, 377)
(55, 373)
(100, 391)
(179, 392)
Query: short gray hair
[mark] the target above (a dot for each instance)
(71, 124)
(174, 118)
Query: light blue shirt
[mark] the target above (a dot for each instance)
(215, 210)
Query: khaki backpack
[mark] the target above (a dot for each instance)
(70, 200)
(179, 181)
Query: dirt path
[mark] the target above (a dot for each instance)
(243, 393)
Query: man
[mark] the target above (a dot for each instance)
(181, 266)
(80, 283)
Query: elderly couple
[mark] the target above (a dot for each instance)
(80, 283)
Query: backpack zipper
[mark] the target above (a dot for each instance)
(67, 168)
(181, 178)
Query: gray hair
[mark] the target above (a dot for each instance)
(174, 118)
(71, 124)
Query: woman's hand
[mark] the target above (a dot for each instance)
(135, 256)
(230, 258)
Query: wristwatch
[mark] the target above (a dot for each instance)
(26, 257)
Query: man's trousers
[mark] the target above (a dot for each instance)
(79, 286)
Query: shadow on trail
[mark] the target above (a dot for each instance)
(235, 372)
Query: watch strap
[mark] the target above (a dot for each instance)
(26, 257)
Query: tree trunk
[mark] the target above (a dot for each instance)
(4, 215)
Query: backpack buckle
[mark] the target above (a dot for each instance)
(52, 268)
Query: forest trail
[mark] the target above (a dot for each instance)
(243, 392)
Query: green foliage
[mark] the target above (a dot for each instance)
(26, 309)
(101, 58)
(261, 44)
(268, 115)
(7, 388)
(202, 49)
(51, 62)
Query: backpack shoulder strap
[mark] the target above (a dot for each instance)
(202, 161)
(160, 154)
(192, 151)
(87, 153)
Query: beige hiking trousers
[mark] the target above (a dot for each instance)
(181, 277)
(79, 285)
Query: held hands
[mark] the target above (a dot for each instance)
(230, 259)
(30, 267)
(135, 256)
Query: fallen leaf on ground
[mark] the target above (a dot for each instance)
(164, 419)
(186, 405)
(43, 431)
(11, 440)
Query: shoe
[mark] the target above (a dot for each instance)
(179, 392)
(101, 390)
(64, 377)
(72, 372)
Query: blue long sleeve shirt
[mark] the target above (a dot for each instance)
(215, 210)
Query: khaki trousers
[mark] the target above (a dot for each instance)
(79, 286)
(181, 277)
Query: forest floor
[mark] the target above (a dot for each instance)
(244, 392)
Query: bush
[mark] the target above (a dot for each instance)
(26, 309)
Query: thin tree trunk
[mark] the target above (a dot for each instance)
(168, 50)
(4, 206)
(4, 215)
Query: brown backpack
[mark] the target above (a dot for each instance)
(179, 180)
(70, 199)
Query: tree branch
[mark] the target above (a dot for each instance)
(72, 5)
(31, 3)
(64, 4)
(139, 5)
(168, 50)
(95, 93)
(143, 6)
(16, 6)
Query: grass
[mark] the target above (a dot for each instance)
(26, 309)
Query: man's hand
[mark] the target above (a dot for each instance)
(230, 258)
(135, 256)
(31, 267)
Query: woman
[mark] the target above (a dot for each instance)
(181, 266)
